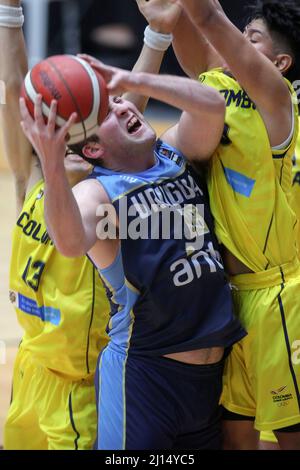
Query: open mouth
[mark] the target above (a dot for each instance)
(133, 125)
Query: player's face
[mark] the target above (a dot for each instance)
(77, 169)
(125, 127)
(257, 33)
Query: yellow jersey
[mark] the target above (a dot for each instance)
(250, 183)
(295, 200)
(60, 302)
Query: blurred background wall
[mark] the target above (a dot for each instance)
(112, 29)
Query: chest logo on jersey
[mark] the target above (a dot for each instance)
(31, 228)
(240, 183)
(157, 197)
(239, 99)
(170, 210)
(186, 270)
(296, 179)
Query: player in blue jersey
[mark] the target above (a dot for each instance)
(160, 378)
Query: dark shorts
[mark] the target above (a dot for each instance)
(157, 403)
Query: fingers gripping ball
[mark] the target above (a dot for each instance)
(76, 86)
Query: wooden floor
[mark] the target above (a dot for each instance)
(10, 332)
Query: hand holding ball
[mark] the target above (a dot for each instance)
(76, 87)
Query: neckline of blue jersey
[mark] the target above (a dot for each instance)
(159, 159)
(107, 172)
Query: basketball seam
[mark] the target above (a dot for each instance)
(71, 96)
(83, 128)
(32, 84)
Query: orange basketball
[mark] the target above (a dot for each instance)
(76, 86)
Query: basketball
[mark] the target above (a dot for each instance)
(76, 86)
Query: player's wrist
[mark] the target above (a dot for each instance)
(11, 15)
(11, 3)
(157, 41)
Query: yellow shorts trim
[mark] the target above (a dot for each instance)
(262, 373)
(267, 278)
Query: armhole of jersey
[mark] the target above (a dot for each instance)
(35, 178)
(283, 148)
(33, 189)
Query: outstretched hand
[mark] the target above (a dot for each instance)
(117, 80)
(48, 142)
(162, 15)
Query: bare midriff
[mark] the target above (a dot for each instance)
(199, 356)
(233, 266)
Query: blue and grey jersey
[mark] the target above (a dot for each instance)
(167, 285)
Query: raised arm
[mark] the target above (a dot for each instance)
(13, 66)
(71, 220)
(162, 16)
(149, 60)
(193, 51)
(200, 127)
(255, 72)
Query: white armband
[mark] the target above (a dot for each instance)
(157, 41)
(11, 17)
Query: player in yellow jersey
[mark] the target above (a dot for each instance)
(268, 440)
(295, 200)
(60, 302)
(249, 182)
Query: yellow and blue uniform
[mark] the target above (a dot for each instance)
(151, 283)
(61, 305)
(250, 193)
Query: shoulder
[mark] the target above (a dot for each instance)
(218, 75)
(91, 191)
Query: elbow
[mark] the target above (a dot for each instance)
(215, 104)
(208, 19)
(66, 246)
(68, 250)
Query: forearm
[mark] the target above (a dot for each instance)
(193, 51)
(62, 215)
(182, 93)
(11, 3)
(200, 12)
(150, 61)
(255, 72)
(161, 16)
(211, 22)
(13, 66)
